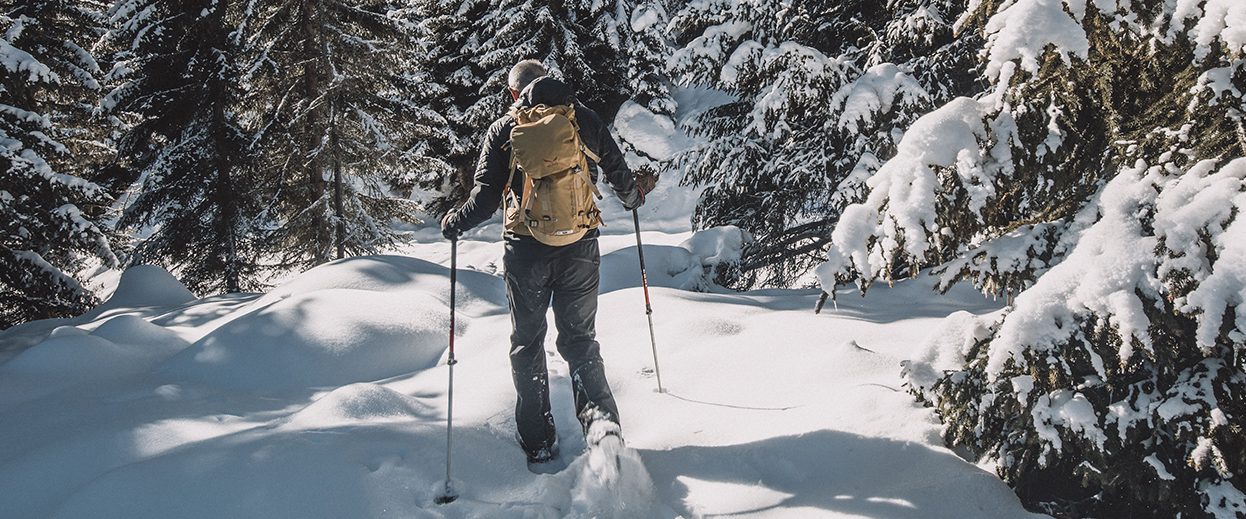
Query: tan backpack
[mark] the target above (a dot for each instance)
(557, 207)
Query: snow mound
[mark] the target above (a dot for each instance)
(1023, 32)
(666, 266)
(145, 286)
(129, 329)
(688, 266)
(121, 346)
(355, 404)
(327, 337)
(384, 273)
(651, 134)
(718, 244)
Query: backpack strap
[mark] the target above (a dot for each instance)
(589, 153)
(507, 193)
(588, 179)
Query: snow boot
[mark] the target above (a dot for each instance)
(544, 460)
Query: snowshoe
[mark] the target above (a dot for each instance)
(605, 445)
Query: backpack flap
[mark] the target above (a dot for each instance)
(545, 141)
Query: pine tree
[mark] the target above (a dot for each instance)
(340, 118)
(443, 29)
(581, 42)
(651, 107)
(197, 202)
(648, 49)
(1100, 178)
(49, 209)
(821, 92)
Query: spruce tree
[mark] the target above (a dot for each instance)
(49, 209)
(821, 92)
(340, 120)
(197, 203)
(648, 50)
(1100, 178)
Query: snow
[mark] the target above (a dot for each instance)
(326, 397)
(875, 93)
(312, 340)
(1160, 469)
(16, 60)
(1198, 202)
(1072, 411)
(710, 47)
(1021, 250)
(903, 193)
(1225, 501)
(1217, 20)
(944, 350)
(646, 16)
(718, 245)
(146, 285)
(1024, 30)
(1100, 276)
(652, 134)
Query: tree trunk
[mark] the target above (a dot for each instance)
(337, 191)
(312, 132)
(224, 173)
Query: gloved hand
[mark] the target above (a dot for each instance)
(447, 230)
(645, 182)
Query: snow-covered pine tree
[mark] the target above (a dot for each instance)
(340, 117)
(49, 211)
(648, 50)
(581, 42)
(195, 206)
(447, 28)
(645, 122)
(821, 93)
(1101, 176)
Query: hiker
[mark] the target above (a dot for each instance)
(547, 265)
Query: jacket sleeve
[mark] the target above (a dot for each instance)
(612, 164)
(491, 170)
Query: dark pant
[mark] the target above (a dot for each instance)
(537, 274)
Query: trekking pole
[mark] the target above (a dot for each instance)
(449, 495)
(644, 282)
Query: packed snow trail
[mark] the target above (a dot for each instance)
(326, 398)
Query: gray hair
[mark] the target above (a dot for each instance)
(524, 73)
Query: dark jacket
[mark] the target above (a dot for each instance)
(494, 163)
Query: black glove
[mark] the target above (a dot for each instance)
(449, 231)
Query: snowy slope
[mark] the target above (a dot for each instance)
(326, 398)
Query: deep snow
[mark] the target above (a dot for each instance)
(326, 398)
